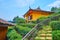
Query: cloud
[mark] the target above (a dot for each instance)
(55, 4)
(23, 3)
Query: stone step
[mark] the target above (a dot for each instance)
(45, 31)
(40, 32)
(37, 37)
(49, 32)
(48, 35)
(50, 38)
(42, 38)
(45, 35)
(41, 35)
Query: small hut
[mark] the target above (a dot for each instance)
(4, 28)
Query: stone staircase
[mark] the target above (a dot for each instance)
(44, 34)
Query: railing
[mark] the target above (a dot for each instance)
(31, 34)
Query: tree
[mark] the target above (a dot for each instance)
(54, 9)
(17, 19)
(58, 10)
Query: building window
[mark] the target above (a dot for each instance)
(30, 17)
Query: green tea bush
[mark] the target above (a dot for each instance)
(28, 25)
(56, 35)
(55, 25)
(13, 35)
(23, 30)
(41, 19)
(33, 22)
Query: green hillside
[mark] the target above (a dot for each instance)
(50, 28)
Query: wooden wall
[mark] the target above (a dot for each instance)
(3, 32)
(36, 15)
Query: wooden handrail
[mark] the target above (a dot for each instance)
(29, 33)
(41, 23)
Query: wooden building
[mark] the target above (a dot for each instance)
(4, 28)
(34, 14)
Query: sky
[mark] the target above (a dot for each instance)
(12, 8)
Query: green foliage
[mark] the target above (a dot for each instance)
(33, 22)
(29, 25)
(53, 9)
(56, 35)
(10, 29)
(13, 32)
(58, 10)
(54, 14)
(13, 35)
(18, 20)
(41, 19)
(22, 30)
(55, 25)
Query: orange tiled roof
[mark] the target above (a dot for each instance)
(38, 10)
